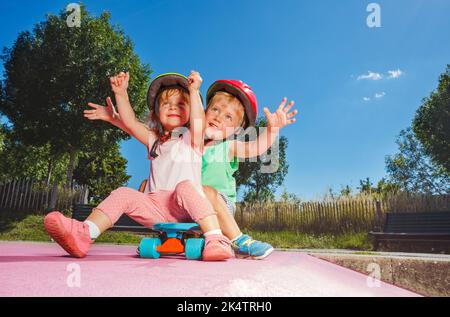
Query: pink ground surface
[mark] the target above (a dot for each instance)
(43, 269)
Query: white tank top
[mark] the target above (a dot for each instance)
(177, 161)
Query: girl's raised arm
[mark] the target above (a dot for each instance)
(197, 115)
(108, 114)
(119, 85)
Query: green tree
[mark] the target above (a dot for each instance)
(412, 171)
(432, 123)
(53, 71)
(252, 175)
(345, 191)
(21, 161)
(291, 198)
(366, 186)
(102, 171)
(385, 187)
(264, 195)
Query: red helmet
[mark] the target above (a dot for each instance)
(240, 90)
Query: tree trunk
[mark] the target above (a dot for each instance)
(71, 167)
(49, 170)
(54, 196)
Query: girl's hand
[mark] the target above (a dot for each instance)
(195, 81)
(119, 83)
(98, 112)
(281, 117)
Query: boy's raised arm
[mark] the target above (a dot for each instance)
(277, 120)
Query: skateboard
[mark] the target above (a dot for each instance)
(174, 239)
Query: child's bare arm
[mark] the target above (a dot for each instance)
(119, 85)
(265, 140)
(197, 115)
(108, 114)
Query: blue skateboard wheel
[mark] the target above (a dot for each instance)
(194, 248)
(147, 248)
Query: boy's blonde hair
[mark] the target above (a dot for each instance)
(152, 119)
(230, 99)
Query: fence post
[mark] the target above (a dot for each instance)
(378, 215)
(6, 194)
(12, 194)
(277, 216)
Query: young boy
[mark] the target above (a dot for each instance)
(231, 107)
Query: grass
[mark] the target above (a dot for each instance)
(31, 228)
(298, 240)
(366, 253)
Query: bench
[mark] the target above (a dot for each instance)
(417, 227)
(81, 211)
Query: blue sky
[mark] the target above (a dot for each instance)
(317, 53)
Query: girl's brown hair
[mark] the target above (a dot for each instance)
(152, 119)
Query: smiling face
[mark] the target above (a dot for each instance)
(174, 109)
(224, 116)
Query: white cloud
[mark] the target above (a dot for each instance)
(395, 74)
(370, 76)
(366, 99)
(380, 95)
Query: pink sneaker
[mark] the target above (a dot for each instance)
(217, 248)
(72, 235)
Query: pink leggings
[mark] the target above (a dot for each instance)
(184, 204)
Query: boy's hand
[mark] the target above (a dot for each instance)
(119, 83)
(281, 117)
(195, 81)
(98, 112)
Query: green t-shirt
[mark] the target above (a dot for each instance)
(217, 170)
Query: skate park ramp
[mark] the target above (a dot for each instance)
(44, 269)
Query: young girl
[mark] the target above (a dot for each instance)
(176, 194)
(231, 105)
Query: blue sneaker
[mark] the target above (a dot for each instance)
(245, 246)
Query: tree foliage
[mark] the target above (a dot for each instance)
(412, 170)
(258, 184)
(431, 124)
(52, 72)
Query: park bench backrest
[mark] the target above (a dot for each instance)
(82, 211)
(423, 222)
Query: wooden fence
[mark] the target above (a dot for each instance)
(349, 215)
(345, 215)
(34, 196)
